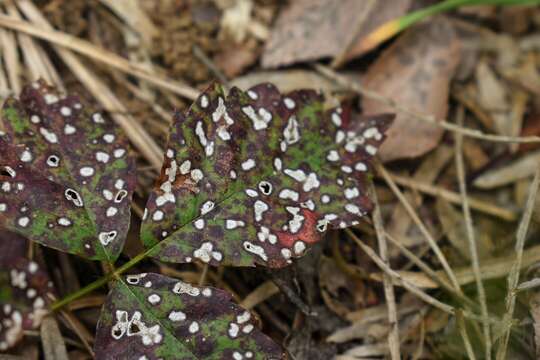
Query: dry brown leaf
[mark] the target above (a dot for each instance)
(415, 70)
(313, 29)
(493, 97)
(521, 168)
(234, 59)
(492, 94)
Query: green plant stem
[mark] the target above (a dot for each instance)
(100, 282)
(448, 5)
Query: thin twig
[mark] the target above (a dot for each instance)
(434, 275)
(393, 335)
(201, 55)
(259, 295)
(136, 133)
(398, 280)
(355, 86)
(513, 276)
(431, 241)
(455, 198)
(470, 232)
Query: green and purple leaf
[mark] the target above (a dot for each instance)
(25, 290)
(256, 177)
(150, 316)
(66, 178)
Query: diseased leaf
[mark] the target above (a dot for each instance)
(66, 177)
(150, 316)
(25, 291)
(256, 177)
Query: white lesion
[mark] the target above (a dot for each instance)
(150, 335)
(260, 119)
(206, 253)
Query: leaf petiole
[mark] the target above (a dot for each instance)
(100, 282)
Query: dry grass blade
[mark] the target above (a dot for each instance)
(263, 292)
(460, 165)
(465, 336)
(134, 16)
(136, 133)
(492, 268)
(78, 328)
(54, 347)
(355, 86)
(393, 336)
(513, 276)
(455, 198)
(37, 61)
(398, 280)
(431, 241)
(436, 276)
(99, 54)
(11, 59)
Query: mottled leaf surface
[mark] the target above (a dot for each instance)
(150, 316)
(25, 290)
(256, 177)
(66, 178)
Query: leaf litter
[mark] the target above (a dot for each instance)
(494, 76)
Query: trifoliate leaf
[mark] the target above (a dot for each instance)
(256, 177)
(25, 291)
(66, 179)
(150, 316)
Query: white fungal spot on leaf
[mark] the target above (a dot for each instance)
(289, 194)
(351, 193)
(265, 234)
(233, 224)
(260, 120)
(64, 221)
(49, 135)
(194, 327)
(184, 288)
(102, 157)
(74, 197)
(87, 171)
(118, 153)
(158, 215)
(26, 156)
(106, 237)
(289, 103)
(205, 253)
(207, 207)
(109, 138)
(360, 166)
(97, 118)
(177, 316)
(69, 129)
(248, 164)
(255, 249)
(259, 208)
(154, 299)
(199, 224)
